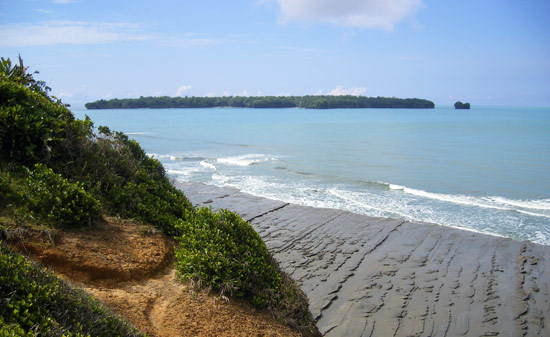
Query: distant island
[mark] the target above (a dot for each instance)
(307, 102)
(460, 105)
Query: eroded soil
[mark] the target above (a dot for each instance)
(130, 268)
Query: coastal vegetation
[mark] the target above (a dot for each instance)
(307, 102)
(36, 302)
(61, 173)
(460, 105)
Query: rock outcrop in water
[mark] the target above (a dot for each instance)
(369, 276)
(462, 106)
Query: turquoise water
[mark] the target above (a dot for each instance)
(486, 169)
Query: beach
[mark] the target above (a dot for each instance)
(368, 276)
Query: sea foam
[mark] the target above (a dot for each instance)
(245, 160)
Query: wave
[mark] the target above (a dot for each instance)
(208, 165)
(347, 197)
(184, 172)
(187, 158)
(136, 133)
(245, 160)
(498, 203)
(176, 157)
(403, 203)
(542, 204)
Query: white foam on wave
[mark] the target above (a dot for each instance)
(267, 187)
(159, 156)
(498, 203)
(533, 213)
(187, 169)
(542, 204)
(347, 196)
(208, 165)
(184, 172)
(245, 160)
(452, 198)
(406, 206)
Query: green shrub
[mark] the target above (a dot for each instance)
(221, 251)
(128, 182)
(54, 198)
(37, 128)
(36, 302)
(30, 124)
(5, 188)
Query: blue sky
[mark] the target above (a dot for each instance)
(483, 52)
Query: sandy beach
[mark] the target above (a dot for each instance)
(369, 276)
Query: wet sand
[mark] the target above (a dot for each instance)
(368, 276)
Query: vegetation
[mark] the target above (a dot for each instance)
(64, 203)
(37, 303)
(58, 171)
(460, 105)
(308, 102)
(221, 251)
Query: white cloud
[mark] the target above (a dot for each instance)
(71, 93)
(64, 1)
(44, 11)
(243, 93)
(382, 14)
(69, 32)
(284, 94)
(341, 91)
(183, 89)
(302, 50)
(81, 33)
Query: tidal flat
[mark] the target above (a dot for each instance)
(368, 276)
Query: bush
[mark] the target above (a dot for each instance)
(128, 183)
(5, 188)
(30, 124)
(54, 198)
(36, 128)
(221, 251)
(36, 302)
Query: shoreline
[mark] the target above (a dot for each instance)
(377, 276)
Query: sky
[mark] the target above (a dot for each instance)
(485, 52)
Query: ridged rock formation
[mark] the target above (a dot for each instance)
(369, 276)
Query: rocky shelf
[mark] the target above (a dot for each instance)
(369, 276)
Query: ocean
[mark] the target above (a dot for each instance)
(486, 169)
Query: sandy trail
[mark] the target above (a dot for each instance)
(131, 270)
(369, 276)
(161, 306)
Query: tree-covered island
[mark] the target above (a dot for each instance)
(307, 102)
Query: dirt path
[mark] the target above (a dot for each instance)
(130, 268)
(161, 306)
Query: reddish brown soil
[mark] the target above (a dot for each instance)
(129, 268)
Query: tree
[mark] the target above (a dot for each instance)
(460, 105)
